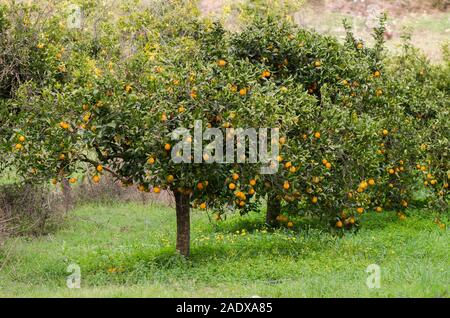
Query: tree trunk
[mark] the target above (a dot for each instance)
(67, 194)
(183, 223)
(273, 209)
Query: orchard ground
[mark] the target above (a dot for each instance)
(127, 250)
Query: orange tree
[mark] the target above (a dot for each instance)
(421, 89)
(350, 75)
(120, 118)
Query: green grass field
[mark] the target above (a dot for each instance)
(127, 250)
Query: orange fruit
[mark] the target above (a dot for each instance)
(376, 74)
(243, 91)
(200, 186)
(21, 138)
(328, 165)
(378, 209)
(385, 132)
(317, 134)
(359, 46)
(290, 225)
(170, 178)
(18, 146)
(317, 63)
(232, 186)
(221, 62)
(167, 147)
(73, 180)
(235, 176)
(360, 210)
(286, 185)
(203, 206)
(96, 179)
(371, 182)
(314, 200)
(252, 182)
(99, 168)
(156, 189)
(151, 160)
(339, 224)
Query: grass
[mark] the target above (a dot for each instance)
(127, 250)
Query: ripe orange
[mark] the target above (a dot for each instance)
(21, 138)
(314, 200)
(151, 160)
(293, 169)
(359, 46)
(379, 92)
(54, 181)
(222, 62)
(377, 74)
(164, 117)
(391, 171)
(252, 182)
(73, 180)
(62, 156)
(339, 224)
(18, 146)
(99, 168)
(167, 147)
(156, 190)
(170, 178)
(317, 134)
(243, 91)
(282, 140)
(360, 210)
(251, 191)
(96, 179)
(378, 209)
(200, 186)
(324, 161)
(286, 185)
(290, 225)
(64, 125)
(265, 74)
(288, 164)
(232, 186)
(371, 182)
(203, 206)
(385, 132)
(235, 176)
(317, 63)
(328, 165)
